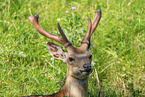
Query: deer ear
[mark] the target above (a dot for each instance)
(56, 51)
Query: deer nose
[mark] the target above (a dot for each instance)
(87, 67)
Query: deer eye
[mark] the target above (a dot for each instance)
(71, 59)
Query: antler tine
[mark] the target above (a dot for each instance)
(64, 41)
(91, 29)
(96, 21)
(67, 43)
(85, 39)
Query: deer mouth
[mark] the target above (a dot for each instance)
(86, 72)
(81, 73)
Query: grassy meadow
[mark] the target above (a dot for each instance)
(118, 46)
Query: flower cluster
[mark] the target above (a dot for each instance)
(73, 8)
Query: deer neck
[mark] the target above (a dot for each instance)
(76, 87)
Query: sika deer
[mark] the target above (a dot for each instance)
(78, 59)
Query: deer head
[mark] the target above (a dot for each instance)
(78, 59)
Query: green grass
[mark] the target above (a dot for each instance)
(118, 46)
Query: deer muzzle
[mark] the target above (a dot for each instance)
(87, 67)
